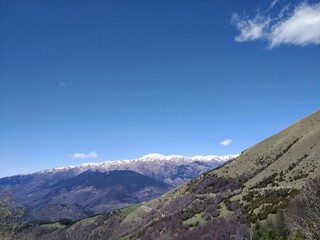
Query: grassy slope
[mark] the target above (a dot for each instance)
(294, 151)
(287, 159)
(278, 152)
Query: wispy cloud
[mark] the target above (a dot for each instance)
(296, 26)
(62, 84)
(272, 4)
(226, 142)
(250, 29)
(91, 155)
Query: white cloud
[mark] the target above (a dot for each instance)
(250, 29)
(62, 84)
(226, 142)
(298, 26)
(302, 28)
(91, 155)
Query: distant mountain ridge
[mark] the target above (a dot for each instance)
(161, 167)
(172, 169)
(96, 187)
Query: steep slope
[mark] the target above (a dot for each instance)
(224, 202)
(294, 152)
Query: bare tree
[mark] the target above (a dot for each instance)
(304, 211)
(9, 213)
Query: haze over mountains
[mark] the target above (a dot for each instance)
(249, 192)
(76, 192)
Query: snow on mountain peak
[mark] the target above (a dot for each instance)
(157, 156)
(153, 156)
(149, 158)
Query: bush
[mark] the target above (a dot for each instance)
(304, 211)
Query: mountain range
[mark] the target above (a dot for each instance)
(246, 198)
(172, 169)
(75, 192)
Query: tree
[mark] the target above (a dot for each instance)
(304, 211)
(9, 213)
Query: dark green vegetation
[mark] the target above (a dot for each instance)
(250, 196)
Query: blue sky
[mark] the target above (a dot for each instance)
(90, 81)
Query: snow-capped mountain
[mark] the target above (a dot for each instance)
(77, 191)
(172, 169)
